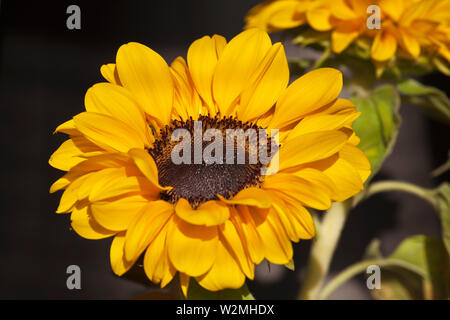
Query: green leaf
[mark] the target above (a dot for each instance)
(418, 269)
(430, 256)
(426, 271)
(197, 292)
(398, 284)
(439, 198)
(377, 127)
(433, 101)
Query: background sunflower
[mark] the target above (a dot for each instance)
(407, 28)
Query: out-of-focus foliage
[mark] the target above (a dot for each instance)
(434, 101)
(378, 124)
(413, 40)
(387, 32)
(420, 270)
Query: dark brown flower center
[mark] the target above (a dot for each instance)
(199, 179)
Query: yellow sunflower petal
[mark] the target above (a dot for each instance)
(347, 180)
(209, 213)
(319, 19)
(184, 283)
(121, 181)
(237, 248)
(339, 106)
(117, 214)
(192, 249)
(266, 84)
(65, 180)
(70, 195)
(316, 177)
(392, 8)
(221, 42)
(345, 177)
(157, 265)
(118, 262)
(323, 122)
(354, 139)
(72, 152)
(143, 72)
(287, 220)
(115, 101)
(250, 196)
(144, 161)
(295, 219)
(145, 227)
(409, 43)
(202, 59)
(85, 226)
(94, 163)
(341, 10)
(108, 132)
(93, 179)
(68, 127)
(357, 159)
(275, 242)
(240, 58)
(224, 273)
(309, 92)
(285, 14)
(384, 46)
(102, 161)
(109, 72)
(187, 102)
(341, 38)
(310, 147)
(295, 187)
(245, 226)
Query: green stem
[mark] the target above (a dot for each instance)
(389, 185)
(359, 267)
(441, 169)
(323, 248)
(329, 232)
(325, 55)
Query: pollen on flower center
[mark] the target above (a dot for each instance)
(200, 182)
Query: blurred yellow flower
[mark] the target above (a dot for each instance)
(209, 222)
(408, 27)
(285, 14)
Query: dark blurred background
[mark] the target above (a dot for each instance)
(45, 70)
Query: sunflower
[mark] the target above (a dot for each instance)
(278, 15)
(408, 27)
(414, 26)
(208, 222)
